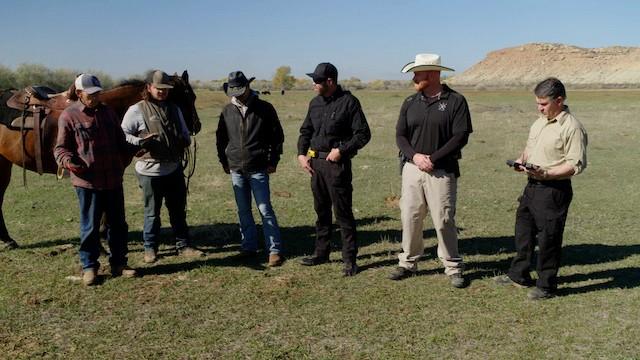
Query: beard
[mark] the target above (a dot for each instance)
(321, 89)
(421, 85)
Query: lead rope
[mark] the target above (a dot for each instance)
(189, 161)
(23, 135)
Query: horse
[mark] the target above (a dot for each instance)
(18, 146)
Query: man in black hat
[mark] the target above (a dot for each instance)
(249, 142)
(157, 126)
(333, 131)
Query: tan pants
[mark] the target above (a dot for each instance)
(435, 191)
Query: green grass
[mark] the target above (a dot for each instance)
(216, 308)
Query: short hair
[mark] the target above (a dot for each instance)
(550, 87)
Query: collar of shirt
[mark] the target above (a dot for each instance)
(561, 117)
(87, 110)
(444, 95)
(236, 102)
(336, 94)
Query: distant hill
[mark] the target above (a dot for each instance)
(526, 65)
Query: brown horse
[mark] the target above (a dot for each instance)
(119, 98)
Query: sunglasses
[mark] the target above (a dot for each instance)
(319, 80)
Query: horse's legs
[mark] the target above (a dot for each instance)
(5, 178)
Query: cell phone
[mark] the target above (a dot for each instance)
(526, 165)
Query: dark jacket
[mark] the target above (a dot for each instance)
(336, 121)
(250, 143)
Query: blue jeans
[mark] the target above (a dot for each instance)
(173, 190)
(258, 184)
(93, 203)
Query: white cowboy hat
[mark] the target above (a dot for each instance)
(425, 62)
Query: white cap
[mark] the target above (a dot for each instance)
(88, 83)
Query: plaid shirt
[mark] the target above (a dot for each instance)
(94, 138)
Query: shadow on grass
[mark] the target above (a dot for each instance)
(622, 278)
(578, 254)
(230, 261)
(297, 240)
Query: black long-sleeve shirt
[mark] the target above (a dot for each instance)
(439, 128)
(336, 121)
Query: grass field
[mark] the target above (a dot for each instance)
(218, 308)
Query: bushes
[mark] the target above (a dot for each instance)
(34, 74)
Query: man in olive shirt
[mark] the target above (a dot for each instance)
(556, 150)
(332, 133)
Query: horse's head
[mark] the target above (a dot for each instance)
(183, 95)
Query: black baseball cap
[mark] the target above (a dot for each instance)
(324, 71)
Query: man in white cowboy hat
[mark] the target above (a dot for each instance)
(433, 127)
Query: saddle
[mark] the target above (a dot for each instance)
(33, 97)
(35, 104)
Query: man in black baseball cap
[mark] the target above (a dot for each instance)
(324, 71)
(333, 131)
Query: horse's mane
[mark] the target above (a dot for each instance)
(131, 82)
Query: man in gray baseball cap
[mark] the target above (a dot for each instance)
(156, 125)
(159, 79)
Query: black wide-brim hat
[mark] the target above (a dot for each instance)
(237, 84)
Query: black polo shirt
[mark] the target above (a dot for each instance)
(438, 127)
(336, 121)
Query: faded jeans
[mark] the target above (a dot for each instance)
(92, 205)
(258, 184)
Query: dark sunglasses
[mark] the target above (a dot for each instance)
(319, 80)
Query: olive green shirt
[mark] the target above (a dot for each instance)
(554, 142)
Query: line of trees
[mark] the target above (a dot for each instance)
(283, 80)
(60, 79)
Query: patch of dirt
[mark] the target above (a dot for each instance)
(392, 201)
(284, 194)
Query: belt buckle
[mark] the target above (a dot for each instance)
(312, 153)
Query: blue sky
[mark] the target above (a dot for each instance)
(366, 39)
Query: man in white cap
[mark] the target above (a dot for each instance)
(433, 127)
(91, 145)
(157, 127)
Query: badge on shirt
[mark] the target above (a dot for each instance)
(442, 106)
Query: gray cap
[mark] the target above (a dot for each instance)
(88, 83)
(159, 79)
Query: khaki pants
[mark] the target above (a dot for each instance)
(435, 191)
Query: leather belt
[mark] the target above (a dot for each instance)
(562, 182)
